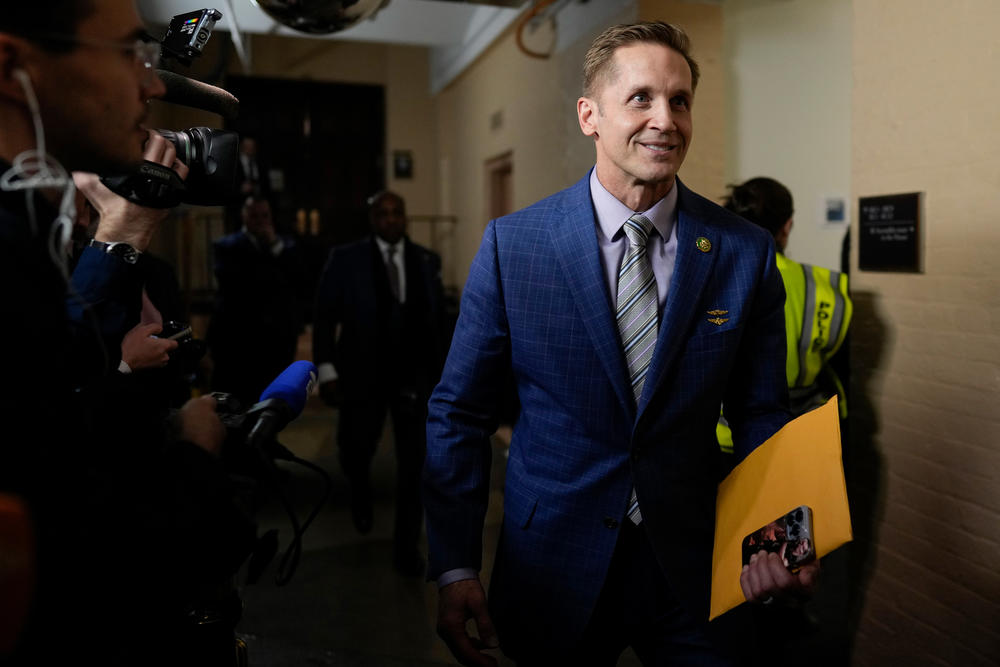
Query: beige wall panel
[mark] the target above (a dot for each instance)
(926, 348)
(705, 165)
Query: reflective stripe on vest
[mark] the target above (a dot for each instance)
(817, 313)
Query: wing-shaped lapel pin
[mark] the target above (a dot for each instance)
(718, 321)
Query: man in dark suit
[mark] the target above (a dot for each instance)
(255, 326)
(252, 180)
(251, 174)
(628, 309)
(384, 294)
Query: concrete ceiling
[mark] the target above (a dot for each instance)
(456, 31)
(420, 22)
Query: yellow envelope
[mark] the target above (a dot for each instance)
(799, 465)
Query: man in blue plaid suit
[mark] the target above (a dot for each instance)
(609, 499)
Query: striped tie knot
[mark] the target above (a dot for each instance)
(637, 229)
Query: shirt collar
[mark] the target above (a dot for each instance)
(384, 245)
(612, 214)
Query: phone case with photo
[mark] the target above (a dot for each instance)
(790, 536)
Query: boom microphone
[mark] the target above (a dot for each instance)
(282, 401)
(190, 93)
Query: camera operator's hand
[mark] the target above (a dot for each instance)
(200, 425)
(120, 219)
(329, 391)
(140, 349)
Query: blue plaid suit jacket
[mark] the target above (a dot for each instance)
(536, 303)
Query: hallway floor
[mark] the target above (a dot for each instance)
(345, 604)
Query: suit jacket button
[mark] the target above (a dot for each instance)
(610, 523)
(635, 454)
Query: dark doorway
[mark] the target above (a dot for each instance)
(322, 146)
(321, 149)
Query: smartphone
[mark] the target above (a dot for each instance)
(174, 330)
(790, 536)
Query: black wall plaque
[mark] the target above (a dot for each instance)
(889, 233)
(402, 164)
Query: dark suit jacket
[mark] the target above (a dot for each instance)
(262, 184)
(372, 350)
(257, 299)
(536, 302)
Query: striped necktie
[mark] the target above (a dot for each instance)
(638, 312)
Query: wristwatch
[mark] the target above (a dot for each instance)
(124, 251)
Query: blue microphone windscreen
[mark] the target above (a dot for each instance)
(293, 385)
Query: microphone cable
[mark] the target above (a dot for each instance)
(289, 561)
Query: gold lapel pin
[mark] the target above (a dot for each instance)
(718, 321)
(703, 244)
(718, 312)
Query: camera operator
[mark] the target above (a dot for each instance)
(124, 529)
(129, 405)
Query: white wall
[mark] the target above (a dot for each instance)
(788, 66)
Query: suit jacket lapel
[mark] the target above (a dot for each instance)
(575, 239)
(692, 269)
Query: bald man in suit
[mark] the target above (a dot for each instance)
(379, 344)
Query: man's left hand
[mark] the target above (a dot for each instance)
(767, 578)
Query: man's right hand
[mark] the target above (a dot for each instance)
(329, 391)
(457, 603)
(141, 350)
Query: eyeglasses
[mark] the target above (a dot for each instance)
(145, 51)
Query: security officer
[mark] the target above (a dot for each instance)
(817, 307)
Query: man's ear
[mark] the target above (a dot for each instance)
(12, 51)
(586, 113)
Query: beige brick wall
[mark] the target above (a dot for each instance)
(925, 446)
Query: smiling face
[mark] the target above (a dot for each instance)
(640, 118)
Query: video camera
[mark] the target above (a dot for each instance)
(211, 155)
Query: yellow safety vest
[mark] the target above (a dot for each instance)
(817, 314)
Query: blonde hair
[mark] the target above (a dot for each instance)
(599, 61)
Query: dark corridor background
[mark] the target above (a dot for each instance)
(328, 142)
